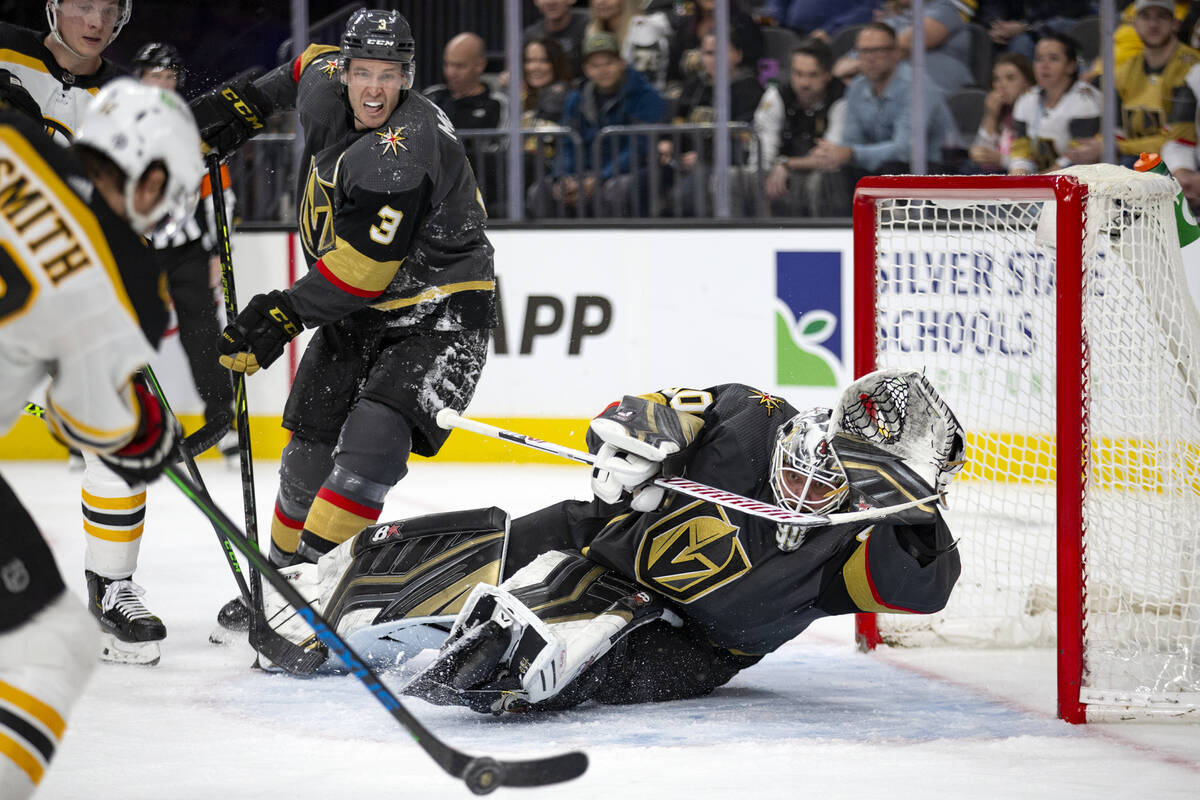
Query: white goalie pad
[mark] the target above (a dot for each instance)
(900, 411)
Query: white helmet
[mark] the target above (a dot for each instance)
(806, 474)
(136, 126)
(124, 10)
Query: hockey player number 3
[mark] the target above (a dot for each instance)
(389, 220)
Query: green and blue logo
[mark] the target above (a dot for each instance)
(808, 310)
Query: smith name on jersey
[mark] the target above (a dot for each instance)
(80, 295)
(390, 218)
(61, 95)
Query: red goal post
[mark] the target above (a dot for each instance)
(1021, 297)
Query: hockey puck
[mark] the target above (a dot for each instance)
(482, 775)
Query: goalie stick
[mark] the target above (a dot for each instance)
(448, 419)
(482, 774)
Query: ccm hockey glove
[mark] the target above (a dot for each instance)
(155, 443)
(229, 115)
(258, 335)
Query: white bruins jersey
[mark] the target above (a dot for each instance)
(60, 95)
(81, 294)
(1042, 135)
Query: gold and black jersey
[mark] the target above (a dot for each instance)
(725, 569)
(81, 300)
(61, 95)
(391, 219)
(1155, 105)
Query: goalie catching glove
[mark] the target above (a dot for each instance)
(259, 333)
(153, 445)
(900, 412)
(635, 442)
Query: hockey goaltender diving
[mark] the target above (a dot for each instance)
(645, 594)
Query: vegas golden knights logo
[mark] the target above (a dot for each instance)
(316, 214)
(691, 552)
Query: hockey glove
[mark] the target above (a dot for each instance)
(229, 115)
(155, 443)
(258, 335)
(635, 442)
(14, 94)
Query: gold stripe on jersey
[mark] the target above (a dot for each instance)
(29, 62)
(360, 272)
(856, 573)
(50, 719)
(30, 278)
(435, 293)
(57, 215)
(314, 51)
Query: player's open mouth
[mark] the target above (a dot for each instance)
(372, 106)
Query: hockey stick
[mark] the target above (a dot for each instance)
(245, 462)
(482, 774)
(448, 419)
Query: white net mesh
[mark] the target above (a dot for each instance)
(966, 289)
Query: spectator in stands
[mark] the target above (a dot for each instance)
(947, 42)
(1052, 119)
(1012, 76)
(610, 95)
(820, 18)
(1182, 156)
(547, 74)
(1155, 103)
(694, 19)
(1126, 42)
(467, 100)
(562, 22)
(694, 162)
(790, 118)
(878, 115)
(471, 104)
(1014, 24)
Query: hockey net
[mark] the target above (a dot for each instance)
(1053, 314)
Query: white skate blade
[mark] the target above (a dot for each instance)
(114, 651)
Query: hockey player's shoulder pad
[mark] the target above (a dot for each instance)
(313, 52)
(881, 478)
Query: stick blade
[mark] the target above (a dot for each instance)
(543, 771)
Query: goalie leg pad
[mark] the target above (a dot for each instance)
(547, 626)
(394, 588)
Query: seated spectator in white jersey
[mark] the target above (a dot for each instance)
(1053, 118)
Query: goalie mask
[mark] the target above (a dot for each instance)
(379, 36)
(806, 474)
(137, 127)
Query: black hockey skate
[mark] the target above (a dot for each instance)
(129, 632)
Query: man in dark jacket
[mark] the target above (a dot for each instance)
(611, 95)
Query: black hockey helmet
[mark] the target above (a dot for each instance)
(380, 35)
(160, 55)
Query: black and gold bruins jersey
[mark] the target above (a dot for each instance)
(724, 569)
(1043, 135)
(1149, 99)
(61, 95)
(391, 220)
(81, 299)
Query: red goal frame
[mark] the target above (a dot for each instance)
(1071, 417)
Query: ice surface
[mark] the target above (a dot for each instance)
(814, 720)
